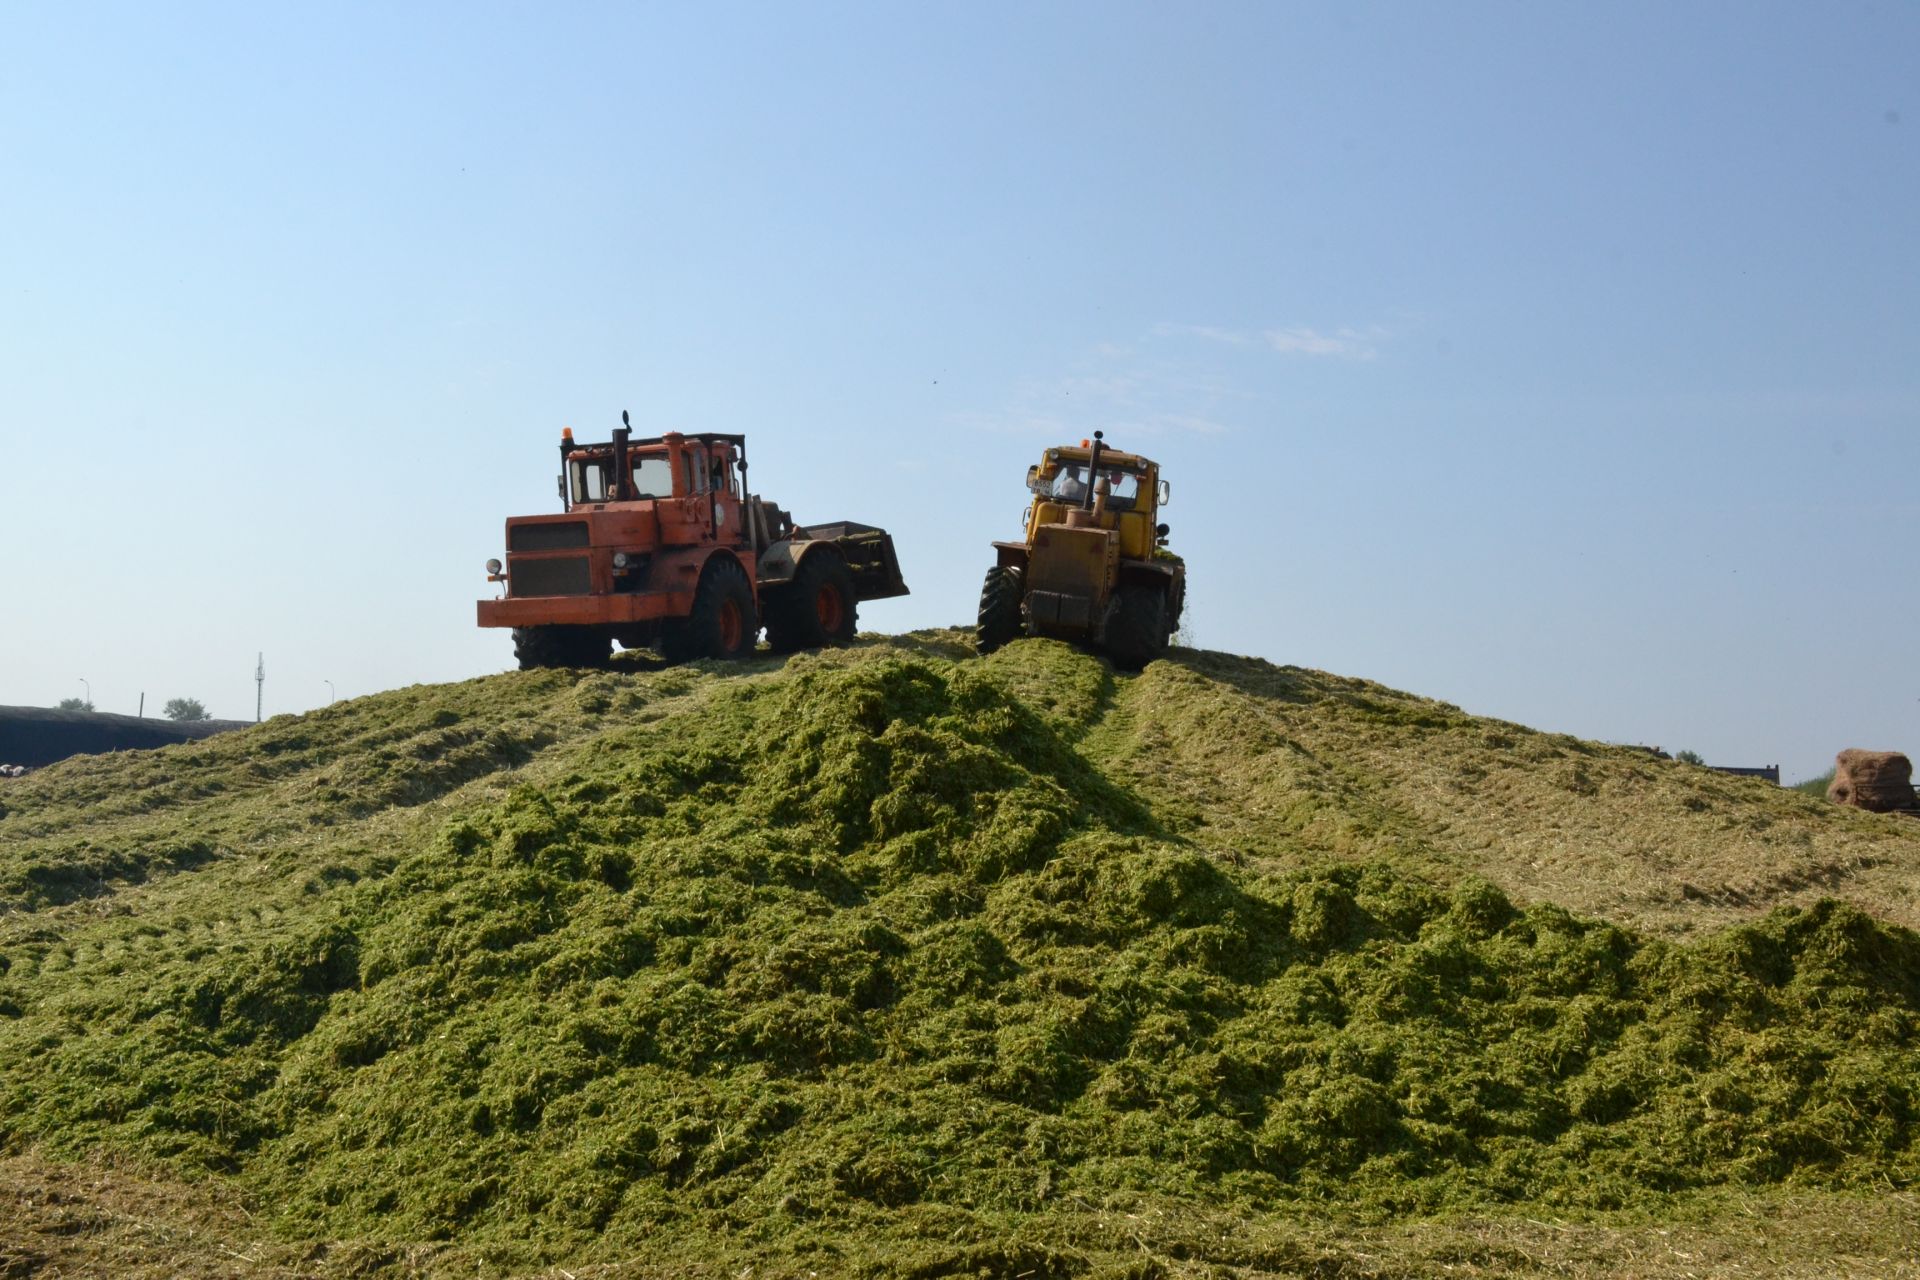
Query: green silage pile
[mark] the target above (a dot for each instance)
(865, 960)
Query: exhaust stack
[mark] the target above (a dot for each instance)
(622, 462)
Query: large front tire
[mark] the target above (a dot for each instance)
(722, 623)
(999, 608)
(1137, 629)
(535, 647)
(817, 608)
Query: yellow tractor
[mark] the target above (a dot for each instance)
(1094, 568)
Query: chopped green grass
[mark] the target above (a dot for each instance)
(884, 961)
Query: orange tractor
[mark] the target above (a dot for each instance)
(1094, 568)
(659, 543)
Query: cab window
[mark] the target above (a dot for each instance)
(1069, 483)
(652, 476)
(1123, 489)
(589, 481)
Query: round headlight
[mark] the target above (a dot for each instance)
(493, 566)
(619, 559)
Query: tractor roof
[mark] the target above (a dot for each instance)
(691, 437)
(698, 437)
(1084, 454)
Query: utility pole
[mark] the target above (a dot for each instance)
(143, 705)
(259, 685)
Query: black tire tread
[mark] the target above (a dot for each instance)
(698, 634)
(1137, 629)
(559, 646)
(792, 621)
(1000, 598)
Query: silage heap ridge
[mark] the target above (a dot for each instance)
(870, 953)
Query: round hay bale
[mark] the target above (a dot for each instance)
(1880, 781)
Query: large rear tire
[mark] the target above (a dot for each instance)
(817, 608)
(536, 647)
(722, 623)
(1137, 629)
(999, 608)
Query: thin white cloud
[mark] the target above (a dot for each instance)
(1148, 388)
(1194, 423)
(1014, 422)
(1207, 333)
(1118, 388)
(1344, 343)
(1347, 344)
(1026, 422)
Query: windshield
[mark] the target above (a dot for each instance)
(1123, 488)
(652, 477)
(1069, 484)
(593, 478)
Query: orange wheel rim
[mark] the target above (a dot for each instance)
(731, 626)
(827, 607)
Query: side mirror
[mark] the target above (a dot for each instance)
(1163, 493)
(1160, 530)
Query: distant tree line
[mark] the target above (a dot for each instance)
(176, 708)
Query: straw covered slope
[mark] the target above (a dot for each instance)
(1273, 762)
(893, 960)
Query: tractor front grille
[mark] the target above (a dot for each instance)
(557, 576)
(547, 537)
(1075, 562)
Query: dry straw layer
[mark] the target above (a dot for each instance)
(890, 960)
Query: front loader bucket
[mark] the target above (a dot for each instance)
(869, 553)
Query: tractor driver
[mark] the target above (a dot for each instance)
(1068, 485)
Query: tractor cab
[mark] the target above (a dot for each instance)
(669, 466)
(668, 490)
(1119, 491)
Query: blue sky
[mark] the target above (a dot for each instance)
(1554, 360)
